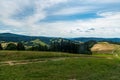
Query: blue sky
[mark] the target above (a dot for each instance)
(61, 18)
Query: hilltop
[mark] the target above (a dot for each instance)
(10, 37)
(17, 37)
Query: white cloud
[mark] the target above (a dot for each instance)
(107, 26)
(9, 8)
(85, 6)
(4, 31)
(99, 1)
(106, 1)
(74, 10)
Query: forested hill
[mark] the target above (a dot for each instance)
(16, 38)
(83, 39)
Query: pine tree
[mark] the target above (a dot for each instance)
(20, 46)
(11, 46)
(1, 47)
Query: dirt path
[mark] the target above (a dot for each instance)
(19, 62)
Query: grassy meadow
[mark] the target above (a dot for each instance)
(69, 69)
(33, 65)
(27, 55)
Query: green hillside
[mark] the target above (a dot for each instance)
(10, 37)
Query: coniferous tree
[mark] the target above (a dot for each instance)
(36, 48)
(20, 46)
(88, 46)
(11, 46)
(1, 47)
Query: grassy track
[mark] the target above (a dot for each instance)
(96, 67)
(26, 55)
(70, 69)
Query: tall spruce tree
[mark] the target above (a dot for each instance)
(20, 46)
(1, 47)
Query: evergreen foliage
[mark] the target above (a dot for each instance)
(39, 48)
(1, 47)
(58, 45)
(20, 46)
(11, 46)
(62, 45)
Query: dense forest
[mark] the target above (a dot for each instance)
(57, 45)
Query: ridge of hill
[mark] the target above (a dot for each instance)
(85, 39)
(7, 37)
(16, 38)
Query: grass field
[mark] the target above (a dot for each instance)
(58, 66)
(26, 55)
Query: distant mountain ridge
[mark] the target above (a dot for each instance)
(17, 38)
(10, 35)
(83, 39)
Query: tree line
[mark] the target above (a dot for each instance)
(58, 45)
(13, 46)
(69, 46)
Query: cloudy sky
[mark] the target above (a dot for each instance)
(61, 18)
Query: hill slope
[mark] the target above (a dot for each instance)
(16, 38)
(105, 47)
(83, 39)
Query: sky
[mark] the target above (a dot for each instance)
(61, 18)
